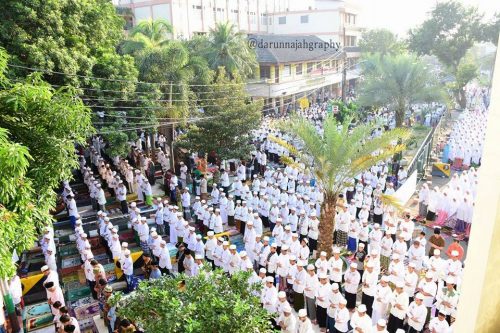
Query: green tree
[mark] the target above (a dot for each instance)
(381, 41)
(492, 29)
(230, 120)
(398, 81)
(451, 30)
(228, 48)
(59, 35)
(39, 127)
(208, 302)
(467, 71)
(147, 35)
(335, 158)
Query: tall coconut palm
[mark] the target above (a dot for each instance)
(225, 47)
(397, 81)
(335, 158)
(148, 34)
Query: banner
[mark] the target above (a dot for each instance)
(406, 191)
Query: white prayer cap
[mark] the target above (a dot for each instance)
(369, 264)
(310, 267)
(198, 257)
(374, 252)
(126, 252)
(288, 227)
(343, 301)
(362, 308)
(284, 247)
(381, 322)
(198, 236)
(454, 253)
(302, 313)
(210, 209)
(217, 210)
(287, 308)
(395, 256)
(232, 247)
(185, 223)
(163, 242)
(258, 235)
(99, 212)
(419, 296)
(225, 243)
(266, 239)
(312, 214)
(114, 230)
(294, 234)
(192, 229)
(437, 252)
(179, 214)
(143, 218)
(106, 219)
(428, 275)
(323, 254)
(412, 265)
(279, 219)
(399, 284)
(124, 244)
(84, 235)
(270, 279)
(249, 265)
(44, 268)
(385, 278)
(281, 294)
(323, 276)
(353, 265)
(336, 250)
(220, 239)
(376, 226)
(243, 253)
(450, 280)
(302, 263)
(335, 286)
(154, 234)
(249, 223)
(263, 270)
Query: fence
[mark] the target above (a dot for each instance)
(422, 158)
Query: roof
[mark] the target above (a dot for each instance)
(275, 49)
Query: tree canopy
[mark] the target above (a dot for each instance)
(398, 81)
(380, 41)
(230, 118)
(336, 157)
(208, 302)
(228, 48)
(39, 127)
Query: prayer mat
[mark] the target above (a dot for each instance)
(87, 311)
(48, 329)
(82, 302)
(68, 250)
(87, 325)
(72, 261)
(39, 322)
(72, 285)
(36, 310)
(118, 285)
(70, 277)
(73, 295)
(101, 257)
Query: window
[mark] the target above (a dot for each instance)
(309, 67)
(265, 72)
(287, 71)
(298, 69)
(304, 19)
(282, 20)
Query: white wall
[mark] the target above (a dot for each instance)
(319, 23)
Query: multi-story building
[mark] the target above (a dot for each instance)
(286, 75)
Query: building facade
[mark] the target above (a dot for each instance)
(286, 77)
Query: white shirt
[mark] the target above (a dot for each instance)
(352, 280)
(401, 299)
(419, 312)
(438, 326)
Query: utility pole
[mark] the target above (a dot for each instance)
(344, 70)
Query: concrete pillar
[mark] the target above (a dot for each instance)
(282, 109)
(294, 102)
(480, 293)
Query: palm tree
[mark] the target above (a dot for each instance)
(335, 158)
(148, 34)
(397, 81)
(228, 48)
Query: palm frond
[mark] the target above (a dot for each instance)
(391, 201)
